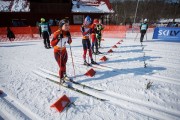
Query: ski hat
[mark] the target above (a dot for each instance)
(42, 20)
(145, 20)
(95, 21)
(62, 22)
(87, 20)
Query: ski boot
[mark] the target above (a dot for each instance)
(65, 77)
(62, 81)
(46, 47)
(98, 52)
(85, 63)
(93, 62)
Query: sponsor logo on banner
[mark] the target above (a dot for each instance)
(166, 33)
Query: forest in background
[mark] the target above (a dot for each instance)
(153, 10)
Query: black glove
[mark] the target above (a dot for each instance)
(68, 34)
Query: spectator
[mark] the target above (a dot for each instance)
(45, 30)
(143, 29)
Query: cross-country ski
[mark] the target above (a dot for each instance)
(89, 60)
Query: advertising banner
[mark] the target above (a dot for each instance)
(167, 33)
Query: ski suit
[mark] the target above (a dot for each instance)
(45, 31)
(86, 31)
(60, 38)
(143, 29)
(10, 34)
(98, 34)
(93, 38)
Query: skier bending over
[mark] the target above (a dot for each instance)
(86, 31)
(10, 34)
(143, 29)
(45, 30)
(60, 38)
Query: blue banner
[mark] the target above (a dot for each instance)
(167, 33)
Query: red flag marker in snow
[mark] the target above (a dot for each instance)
(110, 51)
(104, 58)
(61, 103)
(114, 46)
(90, 73)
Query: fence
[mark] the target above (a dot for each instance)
(32, 33)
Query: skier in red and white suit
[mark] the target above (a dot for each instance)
(93, 36)
(60, 38)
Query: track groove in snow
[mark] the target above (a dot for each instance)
(163, 79)
(126, 88)
(118, 99)
(10, 104)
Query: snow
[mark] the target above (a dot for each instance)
(28, 96)
(14, 6)
(169, 20)
(96, 8)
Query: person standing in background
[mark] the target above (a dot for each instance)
(10, 34)
(86, 32)
(93, 37)
(143, 29)
(98, 33)
(45, 31)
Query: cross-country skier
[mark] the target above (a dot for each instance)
(45, 31)
(10, 34)
(143, 29)
(60, 38)
(93, 36)
(86, 32)
(98, 33)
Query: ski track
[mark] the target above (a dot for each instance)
(123, 101)
(80, 61)
(13, 107)
(163, 79)
(164, 55)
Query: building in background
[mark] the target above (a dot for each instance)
(29, 12)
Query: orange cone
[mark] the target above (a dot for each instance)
(61, 103)
(90, 73)
(114, 46)
(104, 58)
(110, 51)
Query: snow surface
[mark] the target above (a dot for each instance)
(28, 96)
(14, 6)
(96, 8)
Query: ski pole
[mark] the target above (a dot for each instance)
(136, 36)
(60, 82)
(72, 60)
